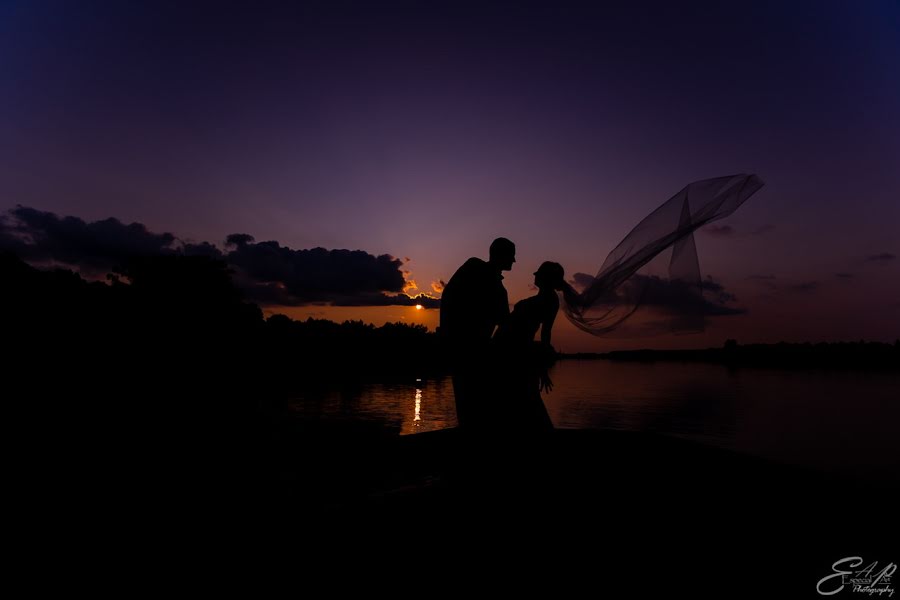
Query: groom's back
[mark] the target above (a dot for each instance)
(473, 303)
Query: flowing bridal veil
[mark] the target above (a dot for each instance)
(673, 300)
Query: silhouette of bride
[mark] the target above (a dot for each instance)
(523, 361)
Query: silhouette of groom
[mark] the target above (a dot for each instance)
(474, 302)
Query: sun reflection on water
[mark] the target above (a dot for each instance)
(418, 416)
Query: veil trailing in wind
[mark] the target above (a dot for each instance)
(671, 303)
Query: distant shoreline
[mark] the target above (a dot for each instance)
(841, 355)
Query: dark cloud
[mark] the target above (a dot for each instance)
(10, 242)
(275, 294)
(805, 287)
(717, 290)
(318, 275)
(42, 237)
(671, 297)
(425, 300)
(580, 281)
(719, 230)
(766, 281)
(728, 230)
(883, 258)
(202, 249)
(272, 293)
(239, 239)
(267, 272)
(676, 297)
(844, 275)
(388, 300)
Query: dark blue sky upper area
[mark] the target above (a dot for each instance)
(425, 132)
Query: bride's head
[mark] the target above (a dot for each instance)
(550, 275)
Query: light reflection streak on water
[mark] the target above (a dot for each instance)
(418, 416)
(417, 419)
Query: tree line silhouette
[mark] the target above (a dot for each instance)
(163, 384)
(861, 355)
(182, 312)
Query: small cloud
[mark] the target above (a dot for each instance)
(882, 259)
(425, 300)
(236, 240)
(410, 285)
(581, 281)
(719, 230)
(766, 281)
(438, 286)
(716, 288)
(387, 300)
(804, 288)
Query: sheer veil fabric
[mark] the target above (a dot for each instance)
(673, 301)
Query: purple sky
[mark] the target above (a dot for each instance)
(425, 133)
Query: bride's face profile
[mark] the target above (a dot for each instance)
(549, 275)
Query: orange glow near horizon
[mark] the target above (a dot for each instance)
(377, 315)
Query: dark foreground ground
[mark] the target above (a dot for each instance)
(347, 510)
(613, 513)
(348, 507)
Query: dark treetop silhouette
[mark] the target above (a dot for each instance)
(474, 302)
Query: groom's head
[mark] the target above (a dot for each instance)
(503, 254)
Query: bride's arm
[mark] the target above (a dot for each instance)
(546, 384)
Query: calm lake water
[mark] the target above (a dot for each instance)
(845, 422)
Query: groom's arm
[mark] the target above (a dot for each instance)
(501, 306)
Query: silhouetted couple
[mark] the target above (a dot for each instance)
(498, 375)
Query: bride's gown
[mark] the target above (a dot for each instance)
(522, 360)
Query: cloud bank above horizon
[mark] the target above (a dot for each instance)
(267, 272)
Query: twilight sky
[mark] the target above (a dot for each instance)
(424, 133)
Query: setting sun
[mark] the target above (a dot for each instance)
(419, 307)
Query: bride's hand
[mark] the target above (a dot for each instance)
(546, 383)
